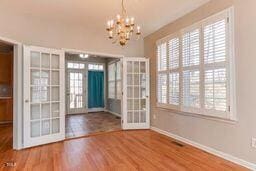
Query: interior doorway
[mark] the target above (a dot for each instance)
(6, 96)
(93, 94)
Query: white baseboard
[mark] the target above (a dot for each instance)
(113, 113)
(96, 110)
(226, 156)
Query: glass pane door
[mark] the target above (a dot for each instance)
(76, 91)
(43, 113)
(136, 101)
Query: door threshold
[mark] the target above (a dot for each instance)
(93, 134)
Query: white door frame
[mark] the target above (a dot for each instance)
(67, 71)
(17, 92)
(99, 54)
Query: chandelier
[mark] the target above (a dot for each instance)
(122, 28)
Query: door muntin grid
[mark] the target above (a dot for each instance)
(44, 94)
(136, 92)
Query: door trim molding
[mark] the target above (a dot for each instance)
(17, 92)
(100, 54)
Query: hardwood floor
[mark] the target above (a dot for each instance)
(122, 150)
(5, 137)
(90, 123)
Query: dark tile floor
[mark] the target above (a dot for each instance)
(84, 124)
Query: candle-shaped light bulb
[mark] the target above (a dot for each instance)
(108, 24)
(110, 34)
(118, 19)
(111, 23)
(132, 21)
(138, 30)
(127, 22)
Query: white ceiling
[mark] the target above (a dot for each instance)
(93, 14)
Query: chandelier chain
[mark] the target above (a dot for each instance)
(123, 9)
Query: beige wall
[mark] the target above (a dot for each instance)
(231, 138)
(40, 32)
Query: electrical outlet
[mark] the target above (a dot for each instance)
(254, 142)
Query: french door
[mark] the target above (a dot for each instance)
(136, 93)
(76, 91)
(44, 101)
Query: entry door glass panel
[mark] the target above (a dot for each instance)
(136, 94)
(76, 90)
(43, 99)
(76, 86)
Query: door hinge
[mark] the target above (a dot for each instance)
(229, 109)
(122, 121)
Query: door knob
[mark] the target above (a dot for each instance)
(26, 101)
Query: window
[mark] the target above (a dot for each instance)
(194, 68)
(96, 67)
(114, 80)
(111, 81)
(118, 81)
(73, 65)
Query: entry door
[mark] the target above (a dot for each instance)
(95, 89)
(44, 100)
(136, 93)
(76, 91)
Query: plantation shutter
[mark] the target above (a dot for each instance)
(173, 46)
(195, 66)
(191, 48)
(162, 73)
(162, 88)
(174, 88)
(162, 57)
(173, 54)
(215, 57)
(191, 68)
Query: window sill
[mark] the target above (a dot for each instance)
(196, 115)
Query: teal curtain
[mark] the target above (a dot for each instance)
(95, 89)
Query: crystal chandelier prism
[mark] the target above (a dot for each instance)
(122, 28)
